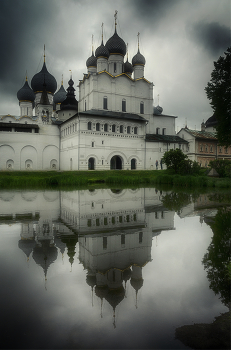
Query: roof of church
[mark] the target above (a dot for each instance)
(138, 59)
(116, 45)
(164, 138)
(102, 51)
(202, 134)
(41, 77)
(111, 114)
(26, 93)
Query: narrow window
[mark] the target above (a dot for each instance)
(123, 105)
(89, 126)
(105, 103)
(105, 221)
(141, 107)
(135, 130)
(122, 239)
(128, 130)
(105, 127)
(97, 222)
(102, 161)
(85, 105)
(113, 220)
(92, 144)
(114, 67)
(121, 129)
(211, 148)
(157, 131)
(97, 126)
(120, 219)
(89, 222)
(220, 149)
(113, 129)
(164, 132)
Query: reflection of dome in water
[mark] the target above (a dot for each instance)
(101, 292)
(91, 280)
(70, 243)
(137, 283)
(45, 255)
(127, 274)
(115, 296)
(26, 245)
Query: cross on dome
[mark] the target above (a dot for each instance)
(115, 15)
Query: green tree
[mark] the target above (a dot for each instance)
(218, 91)
(173, 159)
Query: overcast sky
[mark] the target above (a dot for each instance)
(180, 40)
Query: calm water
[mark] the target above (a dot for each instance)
(104, 268)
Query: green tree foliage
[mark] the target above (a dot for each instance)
(173, 158)
(217, 259)
(176, 160)
(222, 167)
(218, 91)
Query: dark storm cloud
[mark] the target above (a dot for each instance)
(214, 37)
(155, 9)
(22, 25)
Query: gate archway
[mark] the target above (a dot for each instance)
(116, 163)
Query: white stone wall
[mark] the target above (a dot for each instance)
(78, 144)
(30, 151)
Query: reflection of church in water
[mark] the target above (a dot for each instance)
(113, 230)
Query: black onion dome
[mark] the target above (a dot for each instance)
(60, 95)
(157, 110)
(128, 67)
(116, 45)
(38, 80)
(70, 102)
(138, 59)
(211, 122)
(26, 93)
(102, 51)
(91, 61)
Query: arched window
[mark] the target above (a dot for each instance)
(135, 130)
(89, 126)
(133, 164)
(91, 164)
(128, 130)
(121, 129)
(97, 126)
(105, 102)
(113, 129)
(123, 105)
(141, 107)
(157, 131)
(105, 127)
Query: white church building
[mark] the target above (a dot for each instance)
(112, 125)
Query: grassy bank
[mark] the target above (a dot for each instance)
(64, 179)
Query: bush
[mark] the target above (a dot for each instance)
(222, 167)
